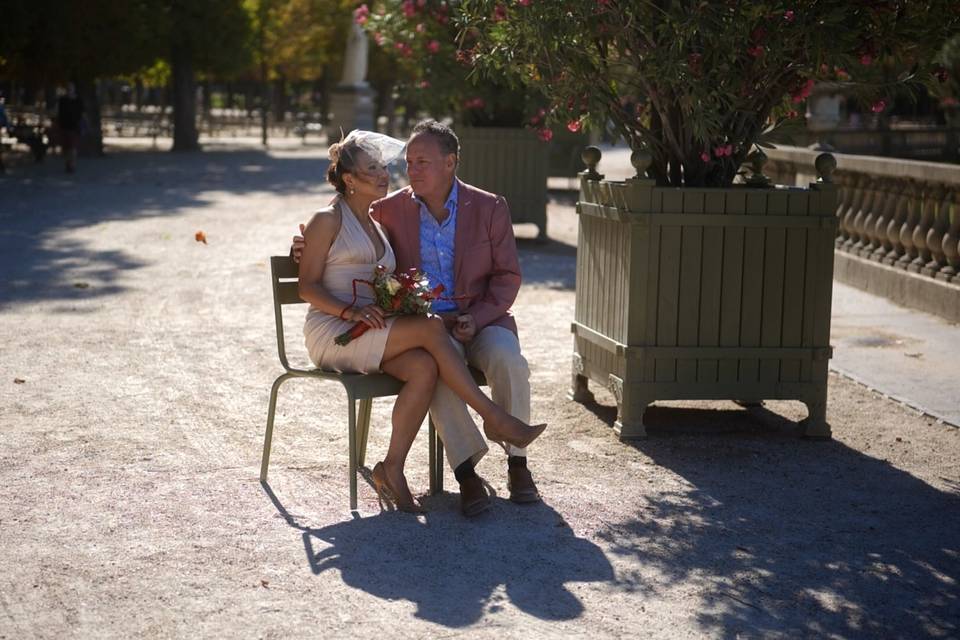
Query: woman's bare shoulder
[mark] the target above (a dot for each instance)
(326, 219)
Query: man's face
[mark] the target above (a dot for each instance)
(430, 170)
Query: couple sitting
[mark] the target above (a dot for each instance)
(460, 237)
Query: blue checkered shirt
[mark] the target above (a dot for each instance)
(436, 249)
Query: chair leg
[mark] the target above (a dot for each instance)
(363, 430)
(271, 415)
(352, 437)
(436, 459)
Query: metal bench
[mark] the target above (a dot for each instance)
(359, 387)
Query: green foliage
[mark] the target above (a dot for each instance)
(48, 41)
(299, 37)
(947, 74)
(697, 83)
(435, 72)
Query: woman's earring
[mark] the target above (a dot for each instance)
(352, 191)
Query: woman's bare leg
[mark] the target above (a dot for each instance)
(411, 332)
(418, 370)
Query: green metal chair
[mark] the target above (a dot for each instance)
(362, 387)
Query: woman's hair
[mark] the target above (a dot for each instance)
(343, 157)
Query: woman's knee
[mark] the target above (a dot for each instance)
(425, 366)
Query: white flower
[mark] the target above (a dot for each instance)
(393, 285)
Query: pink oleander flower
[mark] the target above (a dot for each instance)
(420, 28)
(424, 84)
(878, 106)
(789, 15)
(409, 9)
(705, 156)
(475, 103)
(803, 92)
(755, 51)
(361, 14)
(866, 59)
(378, 38)
(499, 13)
(433, 46)
(524, 3)
(573, 126)
(545, 134)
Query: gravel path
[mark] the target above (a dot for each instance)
(134, 373)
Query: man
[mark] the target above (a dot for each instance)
(462, 237)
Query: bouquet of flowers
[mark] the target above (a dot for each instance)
(406, 293)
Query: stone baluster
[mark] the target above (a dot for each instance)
(909, 224)
(856, 199)
(941, 221)
(927, 208)
(868, 238)
(899, 215)
(866, 203)
(885, 212)
(951, 239)
(844, 191)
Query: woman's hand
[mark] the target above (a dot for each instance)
(371, 315)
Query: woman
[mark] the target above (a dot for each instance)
(343, 243)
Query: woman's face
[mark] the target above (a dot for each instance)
(368, 177)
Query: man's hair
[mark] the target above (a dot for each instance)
(444, 135)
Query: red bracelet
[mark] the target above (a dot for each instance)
(340, 315)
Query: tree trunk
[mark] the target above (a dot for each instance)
(280, 99)
(185, 137)
(91, 144)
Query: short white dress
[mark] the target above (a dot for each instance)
(352, 255)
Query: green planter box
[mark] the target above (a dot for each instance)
(703, 294)
(511, 162)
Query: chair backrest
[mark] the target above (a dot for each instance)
(284, 274)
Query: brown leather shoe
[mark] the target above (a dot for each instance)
(521, 485)
(473, 497)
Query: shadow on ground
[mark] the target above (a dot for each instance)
(791, 538)
(40, 203)
(456, 570)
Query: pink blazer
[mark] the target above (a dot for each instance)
(486, 266)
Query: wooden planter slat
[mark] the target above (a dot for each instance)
(703, 293)
(511, 162)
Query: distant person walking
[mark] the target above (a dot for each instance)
(69, 122)
(4, 125)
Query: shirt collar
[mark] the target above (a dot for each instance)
(452, 200)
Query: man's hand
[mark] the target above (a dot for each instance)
(296, 249)
(465, 328)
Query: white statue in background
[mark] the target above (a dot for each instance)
(355, 59)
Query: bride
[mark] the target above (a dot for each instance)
(343, 243)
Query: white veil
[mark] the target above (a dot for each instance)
(380, 147)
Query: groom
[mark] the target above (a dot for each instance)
(462, 237)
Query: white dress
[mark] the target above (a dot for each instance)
(352, 256)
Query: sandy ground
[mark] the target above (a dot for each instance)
(134, 374)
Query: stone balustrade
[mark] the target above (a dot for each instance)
(904, 215)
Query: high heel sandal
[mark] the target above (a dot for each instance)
(386, 492)
(528, 434)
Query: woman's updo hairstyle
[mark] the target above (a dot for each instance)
(342, 160)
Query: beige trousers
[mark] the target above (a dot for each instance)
(496, 352)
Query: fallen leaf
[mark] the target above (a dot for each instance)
(18, 381)
(200, 236)
(914, 355)
(81, 285)
(264, 583)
